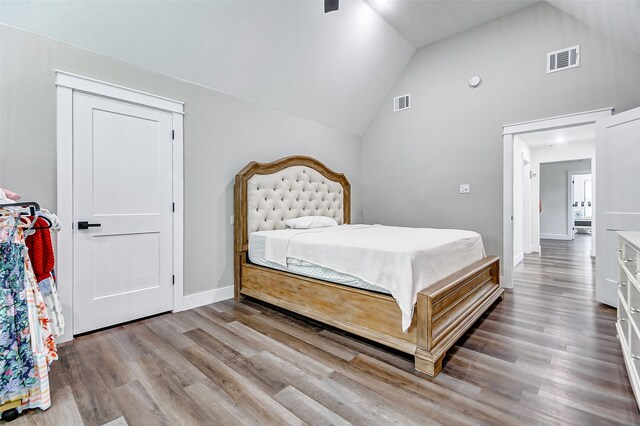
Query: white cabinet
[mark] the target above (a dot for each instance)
(617, 199)
(628, 322)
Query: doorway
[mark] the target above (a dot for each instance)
(550, 138)
(555, 155)
(582, 207)
(120, 203)
(557, 189)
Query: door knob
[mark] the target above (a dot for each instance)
(86, 225)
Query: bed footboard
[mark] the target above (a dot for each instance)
(447, 309)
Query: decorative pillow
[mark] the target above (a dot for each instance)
(308, 222)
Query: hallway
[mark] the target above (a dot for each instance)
(565, 267)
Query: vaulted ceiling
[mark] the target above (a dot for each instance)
(333, 68)
(425, 22)
(620, 20)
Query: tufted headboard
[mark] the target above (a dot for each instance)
(267, 194)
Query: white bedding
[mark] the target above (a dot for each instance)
(306, 269)
(403, 261)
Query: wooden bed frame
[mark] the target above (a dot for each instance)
(444, 311)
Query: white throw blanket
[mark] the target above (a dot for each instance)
(402, 260)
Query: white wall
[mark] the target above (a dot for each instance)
(414, 160)
(222, 133)
(555, 196)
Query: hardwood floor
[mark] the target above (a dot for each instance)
(547, 354)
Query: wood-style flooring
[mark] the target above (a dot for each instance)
(547, 354)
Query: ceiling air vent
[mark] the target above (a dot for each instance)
(563, 59)
(401, 102)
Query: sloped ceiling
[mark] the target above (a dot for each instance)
(620, 20)
(425, 22)
(332, 68)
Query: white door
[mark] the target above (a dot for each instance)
(618, 194)
(122, 192)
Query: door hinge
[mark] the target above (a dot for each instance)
(173, 279)
(173, 207)
(173, 134)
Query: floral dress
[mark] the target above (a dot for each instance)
(16, 355)
(49, 290)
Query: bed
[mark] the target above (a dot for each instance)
(267, 194)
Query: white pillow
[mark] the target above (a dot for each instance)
(308, 222)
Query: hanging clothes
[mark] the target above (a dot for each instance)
(30, 312)
(43, 261)
(49, 291)
(16, 353)
(42, 344)
(40, 248)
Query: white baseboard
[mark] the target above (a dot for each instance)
(204, 298)
(536, 248)
(186, 302)
(503, 284)
(518, 258)
(66, 337)
(555, 237)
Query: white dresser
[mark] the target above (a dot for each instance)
(628, 323)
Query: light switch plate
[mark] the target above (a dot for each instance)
(464, 188)
(231, 220)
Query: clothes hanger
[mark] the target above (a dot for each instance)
(55, 222)
(24, 221)
(22, 216)
(45, 218)
(34, 210)
(32, 205)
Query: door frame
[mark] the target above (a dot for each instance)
(509, 131)
(524, 189)
(570, 195)
(525, 230)
(526, 204)
(66, 84)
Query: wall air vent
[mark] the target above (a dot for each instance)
(401, 102)
(563, 59)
